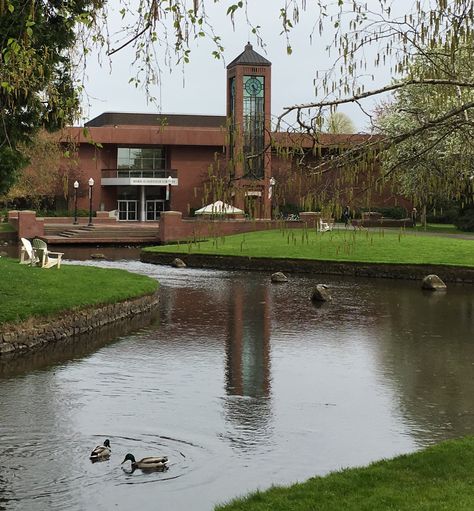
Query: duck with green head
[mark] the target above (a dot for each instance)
(149, 463)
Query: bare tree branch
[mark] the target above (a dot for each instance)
(364, 95)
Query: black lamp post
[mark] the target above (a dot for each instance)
(76, 186)
(168, 191)
(91, 184)
(270, 194)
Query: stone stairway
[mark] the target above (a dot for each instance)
(101, 234)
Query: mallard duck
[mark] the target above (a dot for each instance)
(150, 463)
(101, 452)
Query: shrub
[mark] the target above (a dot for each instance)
(465, 221)
(396, 212)
(288, 209)
(62, 213)
(445, 212)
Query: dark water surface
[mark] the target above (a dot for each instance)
(243, 384)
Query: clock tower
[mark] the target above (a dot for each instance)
(249, 121)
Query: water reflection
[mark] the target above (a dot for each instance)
(234, 376)
(75, 348)
(248, 406)
(429, 355)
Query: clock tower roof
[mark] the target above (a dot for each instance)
(249, 57)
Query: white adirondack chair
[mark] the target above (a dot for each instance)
(47, 259)
(324, 226)
(27, 253)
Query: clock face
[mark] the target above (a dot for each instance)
(253, 86)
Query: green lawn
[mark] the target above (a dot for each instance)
(440, 478)
(376, 246)
(29, 291)
(5, 227)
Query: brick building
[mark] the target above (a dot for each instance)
(143, 164)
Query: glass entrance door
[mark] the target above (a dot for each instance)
(128, 210)
(154, 208)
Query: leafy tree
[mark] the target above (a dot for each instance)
(47, 177)
(37, 87)
(339, 123)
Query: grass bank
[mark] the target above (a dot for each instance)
(29, 291)
(4, 227)
(376, 246)
(440, 478)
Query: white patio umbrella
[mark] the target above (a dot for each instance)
(218, 208)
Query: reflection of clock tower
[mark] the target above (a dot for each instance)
(249, 113)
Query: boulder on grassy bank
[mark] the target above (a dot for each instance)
(178, 263)
(320, 294)
(279, 277)
(433, 283)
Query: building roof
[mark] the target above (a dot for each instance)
(138, 119)
(249, 57)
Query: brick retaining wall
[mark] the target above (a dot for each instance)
(38, 332)
(174, 228)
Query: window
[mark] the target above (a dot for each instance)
(136, 158)
(254, 125)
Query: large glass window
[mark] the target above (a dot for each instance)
(138, 158)
(254, 125)
(232, 118)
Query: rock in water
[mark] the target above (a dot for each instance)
(320, 294)
(433, 283)
(178, 263)
(279, 277)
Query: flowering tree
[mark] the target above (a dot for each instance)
(436, 163)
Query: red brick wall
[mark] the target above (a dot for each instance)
(174, 228)
(91, 162)
(293, 184)
(192, 164)
(26, 223)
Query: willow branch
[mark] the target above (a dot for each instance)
(375, 92)
(130, 41)
(381, 144)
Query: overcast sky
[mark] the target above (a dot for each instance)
(199, 87)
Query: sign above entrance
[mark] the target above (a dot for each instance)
(153, 181)
(138, 181)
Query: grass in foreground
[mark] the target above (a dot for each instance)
(29, 291)
(377, 246)
(440, 478)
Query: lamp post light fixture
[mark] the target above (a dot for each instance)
(270, 194)
(76, 186)
(168, 190)
(91, 184)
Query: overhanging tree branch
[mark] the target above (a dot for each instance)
(383, 143)
(375, 92)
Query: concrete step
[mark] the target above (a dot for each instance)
(57, 240)
(108, 234)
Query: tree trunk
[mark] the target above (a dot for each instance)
(423, 216)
